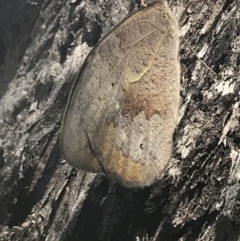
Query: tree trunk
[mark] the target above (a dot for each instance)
(42, 46)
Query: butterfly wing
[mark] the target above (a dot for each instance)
(122, 112)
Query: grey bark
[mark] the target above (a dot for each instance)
(42, 46)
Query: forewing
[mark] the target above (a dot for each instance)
(120, 103)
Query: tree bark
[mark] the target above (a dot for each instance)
(42, 46)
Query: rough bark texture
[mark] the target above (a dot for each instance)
(42, 46)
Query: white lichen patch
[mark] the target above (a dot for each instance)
(203, 51)
(175, 172)
(232, 123)
(235, 168)
(225, 87)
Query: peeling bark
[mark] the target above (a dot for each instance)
(42, 47)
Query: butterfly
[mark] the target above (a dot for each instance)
(123, 107)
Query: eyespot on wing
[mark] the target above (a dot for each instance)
(122, 110)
